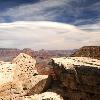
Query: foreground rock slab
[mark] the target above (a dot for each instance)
(37, 84)
(80, 77)
(18, 80)
(45, 96)
(16, 90)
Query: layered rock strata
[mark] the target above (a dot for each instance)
(88, 51)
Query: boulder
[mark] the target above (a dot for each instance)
(37, 84)
(26, 64)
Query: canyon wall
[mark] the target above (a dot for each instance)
(88, 51)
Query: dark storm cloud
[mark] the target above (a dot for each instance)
(77, 12)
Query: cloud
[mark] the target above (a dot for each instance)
(91, 27)
(45, 35)
(75, 12)
(34, 11)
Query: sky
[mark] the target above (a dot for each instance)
(49, 24)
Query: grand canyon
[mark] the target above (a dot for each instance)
(49, 49)
(50, 74)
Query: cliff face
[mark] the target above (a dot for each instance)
(88, 51)
(79, 76)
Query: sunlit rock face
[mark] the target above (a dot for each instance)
(26, 64)
(9, 81)
(45, 96)
(80, 77)
(6, 75)
(16, 90)
(19, 78)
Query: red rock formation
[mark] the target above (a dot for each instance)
(7, 54)
(28, 51)
(44, 69)
(88, 51)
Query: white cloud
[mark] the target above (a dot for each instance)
(47, 35)
(91, 27)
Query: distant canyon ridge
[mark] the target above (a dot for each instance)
(88, 51)
(7, 54)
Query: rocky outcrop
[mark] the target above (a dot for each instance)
(76, 78)
(88, 51)
(18, 89)
(38, 84)
(19, 78)
(79, 76)
(26, 64)
(9, 81)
